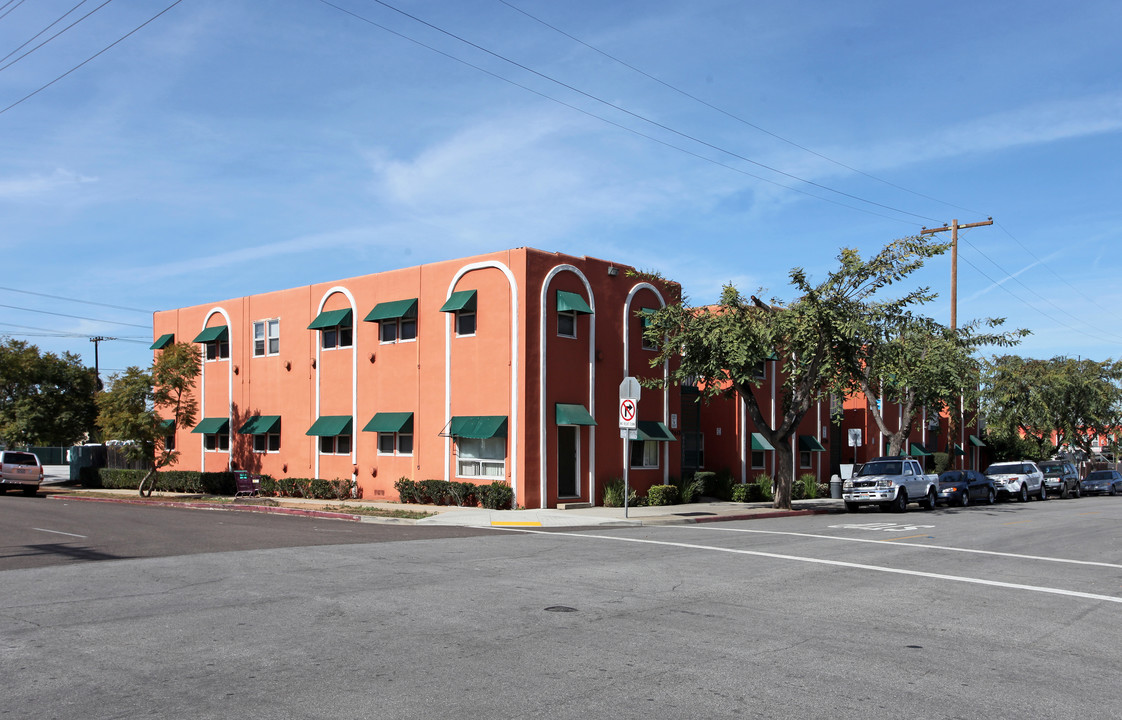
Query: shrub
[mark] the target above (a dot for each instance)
(462, 493)
(496, 496)
(267, 487)
(746, 493)
(406, 490)
(810, 485)
(689, 489)
(662, 495)
(722, 486)
(763, 482)
(705, 481)
(613, 494)
(436, 492)
(942, 462)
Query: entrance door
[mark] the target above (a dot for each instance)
(567, 465)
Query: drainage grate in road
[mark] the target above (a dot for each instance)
(560, 608)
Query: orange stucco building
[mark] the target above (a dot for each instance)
(504, 366)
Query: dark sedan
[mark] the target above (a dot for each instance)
(1102, 482)
(962, 487)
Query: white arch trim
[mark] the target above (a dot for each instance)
(354, 373)
(229, 388)
(542, 377)
(512, 432)
(627, 317)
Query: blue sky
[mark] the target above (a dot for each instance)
(231, 147)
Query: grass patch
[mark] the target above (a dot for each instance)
(378, 512)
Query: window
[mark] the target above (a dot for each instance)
(644, 454)
(398, 330)
(645, 322)
(760, 371)
(335, 445)
(804, 459)
(465, 323)
(216, 442)
(758, 459)
(567, 324)
(339, 336)
(390, 443)
(218, 350)
(266, 443)
(693, 450)
(169, 442)
(481, 457)
(266, 337)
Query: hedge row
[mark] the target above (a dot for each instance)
(312, 488)
(496, 496)
(181, 481)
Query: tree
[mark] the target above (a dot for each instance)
(1062, 401)
(816, 338)
(916, 363)
(139, 403)
(45, 399)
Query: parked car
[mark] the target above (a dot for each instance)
(1018, 479)
(891, 483)
(1102, 482)
(1060, 478)
(20, 469)
(962, 487)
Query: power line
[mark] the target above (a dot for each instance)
(75, 317)
(733, 116)
(91, 57)
(626, 111)
(84, 302)
(56, 22)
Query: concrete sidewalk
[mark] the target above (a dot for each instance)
(464, 517)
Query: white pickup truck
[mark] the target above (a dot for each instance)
(891, 482)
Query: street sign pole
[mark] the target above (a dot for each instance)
(628, 424)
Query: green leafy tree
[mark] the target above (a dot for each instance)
(135, 408)
(45, 399)
(1062, 401)
(815, 338)
(916, 363)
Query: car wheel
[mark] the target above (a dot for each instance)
(1023, 496)
(1112, 490)
(1043, 491)
(929, 503)
(900, 504)
(965, 499)
(851, 506)
(1077, 492)
(1064, 492)
(991, 497)
(31, 491)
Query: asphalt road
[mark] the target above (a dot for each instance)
(1004, 612)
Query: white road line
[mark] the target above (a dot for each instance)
(835, 563)
(892, 542)
(58, 532)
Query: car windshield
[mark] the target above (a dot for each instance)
(1052, 467)
(1004, 469)
(884, 467)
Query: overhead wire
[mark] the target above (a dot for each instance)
(52, 37)
(636, 115)
(76, 300)
(36, 35)
(9, 12)
(75, 317)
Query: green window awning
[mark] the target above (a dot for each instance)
(958, 450)
(810, 444)
(167, 426)
(478, 427)
(261, 425)
(211, 334)
(393, 310)
(569, 414)
(213, 426)
(571, 302)
(759, 442)
(331, 425)
(976, 442)
(390, 422)
(162, 342)
(918, 451)
(463, 300)
(331, 318)
(653, 430)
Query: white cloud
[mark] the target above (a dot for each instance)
(35, 185)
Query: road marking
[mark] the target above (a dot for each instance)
(58, 532)
(881, 526)
(908, 537)
(911, 545)
(840, 563)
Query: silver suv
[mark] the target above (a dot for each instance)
(1020, 479)
(1061, 478)
(20, 469)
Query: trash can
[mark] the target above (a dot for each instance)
(835, 487)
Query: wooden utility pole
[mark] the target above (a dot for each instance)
(953, 227)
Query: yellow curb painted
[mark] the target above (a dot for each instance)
(520, 524)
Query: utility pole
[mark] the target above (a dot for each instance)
(954, 227)
(97, 371)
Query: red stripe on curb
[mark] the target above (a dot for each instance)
(761, 516)
(214, 506)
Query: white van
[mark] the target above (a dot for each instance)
(20, 469)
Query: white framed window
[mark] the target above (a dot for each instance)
(804, 459)
(216, 442)
(760, 371)
(566, 324)
(395, 443)
(644, 454)
(645, 322)
(759, 460)
(266, 443)
(335, 445)
(465, 323)
(397, 330)
(481, 457)
(339, 336)
(218, 350)
(266, 337)
(169, 442)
